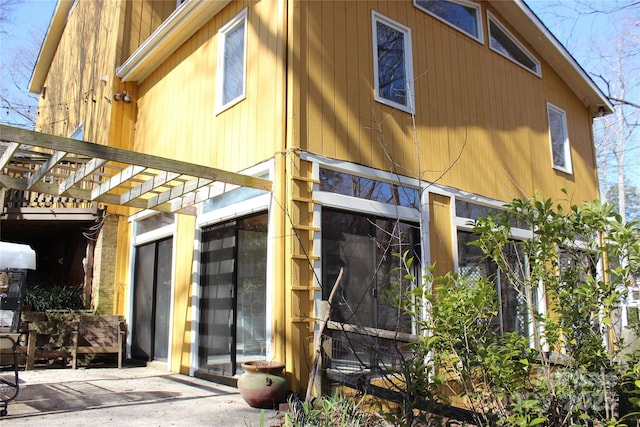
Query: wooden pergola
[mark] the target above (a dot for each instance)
(59, 166)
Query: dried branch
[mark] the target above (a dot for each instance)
(317, 356)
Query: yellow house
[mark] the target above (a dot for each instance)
(380, 126)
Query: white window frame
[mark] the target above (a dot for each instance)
(167, 231)
(239, 19)
(493, 20)
(78, 132)
(631, 303)
(466, 224)
(408, 62)
(566, 145)
(479, 37)
(250, 206)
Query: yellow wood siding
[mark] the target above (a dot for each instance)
(176, 103)
(441, 234)
(78, 87)
(122, 262)
(480, 119)
(142, 17)
(176, 118)
(181, 327)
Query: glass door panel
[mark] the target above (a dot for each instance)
(152, 300)
(217, 301)
(162, 300)
(252, 273)
(232, 324)
(142, 307)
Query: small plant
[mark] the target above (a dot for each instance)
(330, 411)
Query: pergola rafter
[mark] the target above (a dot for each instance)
(43, 163)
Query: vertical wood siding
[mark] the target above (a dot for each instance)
(481, 122)
(142, 17)
(78, 87)
(176, 103)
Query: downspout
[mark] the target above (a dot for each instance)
(280, 309)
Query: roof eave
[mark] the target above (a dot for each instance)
(50, 45)
(183, 23)
(555, 54)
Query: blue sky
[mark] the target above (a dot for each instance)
(569, 20)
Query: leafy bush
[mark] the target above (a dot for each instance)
(584, 259)
(51, 296)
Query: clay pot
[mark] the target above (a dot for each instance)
(263, 384)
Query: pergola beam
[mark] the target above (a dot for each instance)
(116, 180)
(93, 172)
(9, 152)
(79, 193)
(46, 167)
(149, 185)
(84, 171)
(178, 191)
(59, 143)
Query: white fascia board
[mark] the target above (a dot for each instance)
(183, 23)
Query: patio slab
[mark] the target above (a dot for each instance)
(130, 396)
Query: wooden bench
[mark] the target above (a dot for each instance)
(49, 341)
(98, 334)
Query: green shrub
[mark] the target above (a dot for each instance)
(51, 296)
(585, 259)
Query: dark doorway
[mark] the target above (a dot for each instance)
(233, 320)
(151, 301)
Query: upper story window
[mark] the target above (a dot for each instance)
(232, 62)
(78, 133)
(392, 67)
(560, 149)
(503, 42)
(472, 211)
(460, 14)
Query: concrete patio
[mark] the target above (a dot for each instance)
(131, 396)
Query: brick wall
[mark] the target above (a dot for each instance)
(104, 267)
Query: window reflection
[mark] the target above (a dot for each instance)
(154, 222)
(366, 188)
(392, 79)
(367, 250)
(513, 314)
(465, 18)
(233, 84)
(466, 209)
(504, 43)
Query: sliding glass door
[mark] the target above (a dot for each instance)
(151, 301)
(232, 325)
